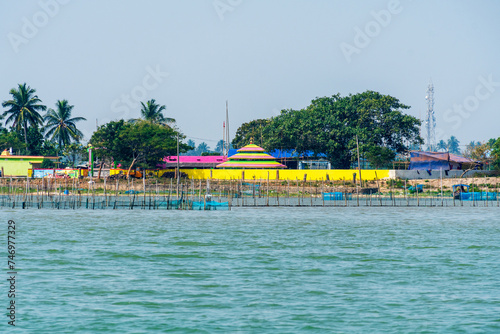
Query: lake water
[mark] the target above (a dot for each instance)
(256, 270)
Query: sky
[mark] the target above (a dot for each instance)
(261, 56)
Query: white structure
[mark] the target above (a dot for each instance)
(430, 120)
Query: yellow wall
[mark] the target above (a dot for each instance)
(291, 174)
(16, 167)
(287, 174)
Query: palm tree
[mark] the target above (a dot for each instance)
(202, 147)
(453, 145)
(442, 145)
(24, 109)
(220, 146)
(60, 126)
(153, 112)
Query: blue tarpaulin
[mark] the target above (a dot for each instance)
(420, 160)
(280, 154)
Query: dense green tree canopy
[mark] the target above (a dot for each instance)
(104, 140)
(495, 153)
(74, 153)
(10, 139)
(253, 130)
(330, 126)
(380, 157)
(143, 143)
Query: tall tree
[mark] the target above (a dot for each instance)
(220, 146)
(153, 112)
(253, 130)
(191, 149)
(442, 145)
(379, 156)
(24, 109)
(329, 125)
(105, 140)
(479, 152)
(60, 127)
(453, 145)
(143, 143)
(74, 153)
(202, 147)
(495, 152)
(10, 140)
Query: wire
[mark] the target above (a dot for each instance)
(204, 139)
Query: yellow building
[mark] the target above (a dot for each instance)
(18, 165)
(272, 174)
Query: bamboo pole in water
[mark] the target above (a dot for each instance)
(199, 193)
(169, 193)
(278, 188)
(304, 188)
(345, 191)
(473, 193)
(496, 191)
(288, 191)
(442, 198)
(267, 197)
(298, 191)
(310, 192)
(486, 190)
(404, 193)
(357, 194)
(253, 192)
(323, 190)
(416, 193)
(230, 195)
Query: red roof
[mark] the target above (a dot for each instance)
(209, 159)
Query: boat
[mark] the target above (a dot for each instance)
(459, 189)
(461, 192)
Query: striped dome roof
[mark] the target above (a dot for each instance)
(251, 156)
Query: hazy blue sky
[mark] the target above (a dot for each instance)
(262, 56)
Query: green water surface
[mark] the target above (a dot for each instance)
(256, 270)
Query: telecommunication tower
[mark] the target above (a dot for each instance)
(430, 120)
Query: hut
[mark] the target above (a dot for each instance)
(251, 156)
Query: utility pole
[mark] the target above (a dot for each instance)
(359, 163)
(178, 170)
(227, 127)
(223, 138)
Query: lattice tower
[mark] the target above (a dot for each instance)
(430, 120)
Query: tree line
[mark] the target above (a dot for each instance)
(333, 127)
(33, 129)
(27, 131)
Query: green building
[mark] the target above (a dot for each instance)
(19, 165)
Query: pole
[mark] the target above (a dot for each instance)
(223, 139)
(359, 163)
(442, 199)
(91, 161)
(177, 171)
(227, 127)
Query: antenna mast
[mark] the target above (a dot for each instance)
(430, 119)
(227, 129)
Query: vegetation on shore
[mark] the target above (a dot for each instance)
(331, 127)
